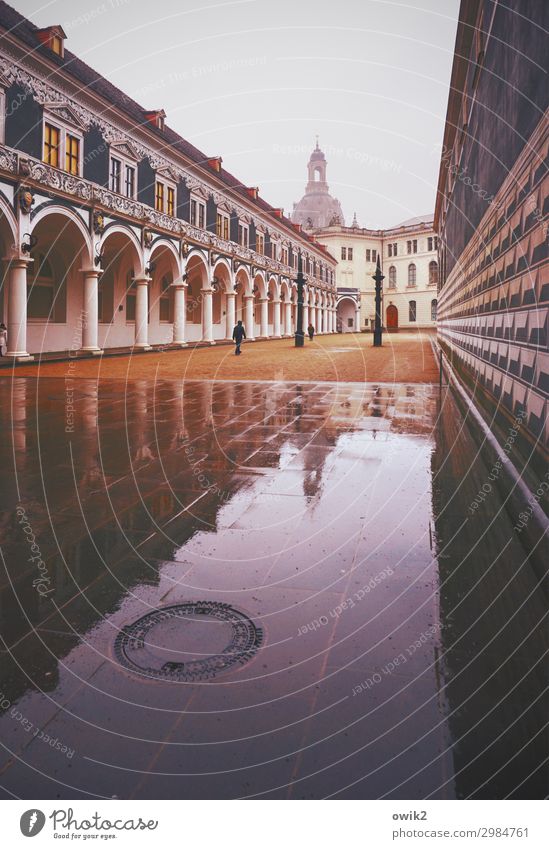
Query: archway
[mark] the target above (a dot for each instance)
(223, 300)
(197, 277)
(55, 283)
(392, 318)
(164, 271)
(346, 316)
(122, 263)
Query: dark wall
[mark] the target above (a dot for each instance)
(252, 236)
(511, 97)
(211, 214)
(96, 157)
(145, 182)
(183, 199)
(268, 251)
(234, 227)
(23, 121)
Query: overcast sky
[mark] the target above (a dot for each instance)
(256, 80)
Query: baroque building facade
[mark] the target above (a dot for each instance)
(117, 233)
(409, 261)
(492, 217)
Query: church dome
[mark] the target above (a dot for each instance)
(317, 208)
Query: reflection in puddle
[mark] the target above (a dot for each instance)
(403, 643)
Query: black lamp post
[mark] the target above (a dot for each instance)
(299, 334)
(379, 278)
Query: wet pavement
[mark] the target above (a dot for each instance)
(273, 590)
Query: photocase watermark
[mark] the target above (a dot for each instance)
(31, 728)
(91, 14)
(397, 662)
(69, 374)
(497, 468)
(43, 580)
(533, 501)
(197, 71)
(463, 177)
(360, 156)
(347, 604)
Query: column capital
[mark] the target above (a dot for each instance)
(18, 261)
(179, 284)
(231, 294)
(91, 272)
(144, 280)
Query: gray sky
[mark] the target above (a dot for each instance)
(255, 80)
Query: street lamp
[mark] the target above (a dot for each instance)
(378, 277)
(299, 334)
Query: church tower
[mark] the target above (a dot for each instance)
(317, 208)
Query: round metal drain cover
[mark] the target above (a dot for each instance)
(188, 642)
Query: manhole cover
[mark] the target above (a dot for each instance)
(188, 642)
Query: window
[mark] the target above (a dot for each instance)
(56, 44)
(129, 183)
(120, 171)
(374, 256)
(41, 290)
(285, 256)
(392, 277)
(349, 253)
(52, 142)
(198, 213)
(343, 253)
(164, 198)
(412, 275)
(433, 273)
(368, 255)
(170, 200)
(432, 243)
(434, 309)
(243, 235)
(411, 246)
(412, 311)
(130, 296)
(222, 226)
(72, 154)
(260, 243)
(165, 300)
(350, 322)
(274, 250)
(116, 170)
(392, 249)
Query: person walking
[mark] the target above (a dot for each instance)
(3, 338)
(311, 332)
(238, 335)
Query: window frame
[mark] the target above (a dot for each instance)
(243, 234)
(223, 225)
(65, 130)
(412, 274)
(412, 311)
(197, 211)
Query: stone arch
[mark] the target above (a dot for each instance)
(71, 217)
(122, 262)
(346, 314)
(198, 278)
(164, 271)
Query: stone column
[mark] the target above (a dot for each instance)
(264, 328)
(318, 320)
(249, 320)
(231, 315)
(179, 313)
(288, 319)
(17, 309)
(207, 316)
(142, 313)
(305, 317)
(91, 311)
(357, 320)
(332, 320)
(276, 319)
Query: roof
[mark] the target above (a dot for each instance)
(88, 78)
(411, 222)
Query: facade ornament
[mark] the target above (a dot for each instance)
(98, 222)
(148, 237)
(25, 199)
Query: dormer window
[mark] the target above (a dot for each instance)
(157, 118)
(54, 38)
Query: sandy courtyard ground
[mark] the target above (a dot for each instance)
(404, 358)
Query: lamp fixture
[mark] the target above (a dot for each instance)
(26, 247)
